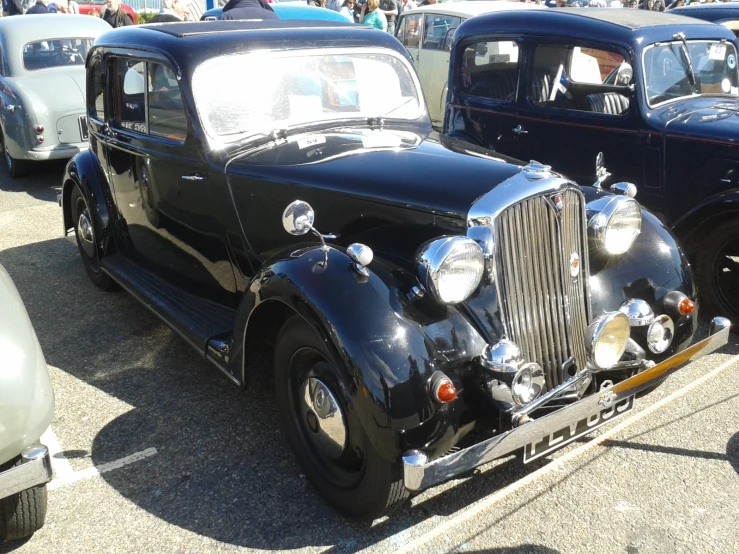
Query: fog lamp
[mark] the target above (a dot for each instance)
(660, 334)
(606, 339)
(528, 383)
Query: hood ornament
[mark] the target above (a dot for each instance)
(535, 170)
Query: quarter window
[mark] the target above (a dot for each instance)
(580, 79)
(166, 111)
(409, 30)
(490, 70)
(438, 31)
(96, 90)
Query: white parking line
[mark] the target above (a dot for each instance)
(470, 512)
(65, 475)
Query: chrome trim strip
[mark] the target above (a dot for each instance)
(419, 475)
(34, 470)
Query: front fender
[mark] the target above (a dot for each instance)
(715, 206)
(385, 345)
(84, 170)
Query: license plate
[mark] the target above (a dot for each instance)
(83, 127)
(557, 439)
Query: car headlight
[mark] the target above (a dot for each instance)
(451, 268)
(606, 339)
(615, 224)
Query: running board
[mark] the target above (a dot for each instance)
(206, 325)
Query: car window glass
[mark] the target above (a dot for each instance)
(438, 31)
(96, 90)
(580, 79)
(2, 63)
(409, 31)
(43, 54)
(129, 95)
(489, 70)
(166, 110)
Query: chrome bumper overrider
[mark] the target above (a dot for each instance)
(420, 474)
(34, 470)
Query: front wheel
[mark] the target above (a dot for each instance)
(322, 427)
(717, 270)
(16, 168)
(84, 232)
(22, 514)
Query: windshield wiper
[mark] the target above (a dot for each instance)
(686, 59)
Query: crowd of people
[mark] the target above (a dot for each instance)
(114, 13)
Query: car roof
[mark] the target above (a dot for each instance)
(473, 8)
(709, 12)
(291, 10)
(634, 27)
(187, 44)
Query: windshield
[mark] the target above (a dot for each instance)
(267, 91)
(668, 74)
(56, 52)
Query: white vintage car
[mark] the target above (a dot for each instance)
(42, 86)
(427, 34)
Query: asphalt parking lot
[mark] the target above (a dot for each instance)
(155, 451)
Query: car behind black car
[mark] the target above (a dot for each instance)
(431, 305)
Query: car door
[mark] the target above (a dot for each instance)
(433, 61)
(408, 32)
(578, 102)
(485, 85)
(160, 182)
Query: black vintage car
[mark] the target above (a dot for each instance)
(656, 93)
(455, 306)
(726, 14)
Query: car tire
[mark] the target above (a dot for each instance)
(86, 241)
(717, 274)
(16, 168)
(22, 514)
(359, 482)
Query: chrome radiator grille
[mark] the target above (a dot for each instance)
(539, 241)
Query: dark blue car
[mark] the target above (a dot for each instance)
(723, 14)
(657, 93)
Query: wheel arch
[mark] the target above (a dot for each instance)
(693, 227)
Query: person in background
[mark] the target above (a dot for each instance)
(12, 7)
(391, 9)
(248, 9)
(167, 13)
(182, 9)
(406, 5)
(347, 10)
(372, 16)
(334, 5)
(115, 15)
(39, 7)
(426, 3)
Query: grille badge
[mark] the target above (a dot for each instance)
(574, 265)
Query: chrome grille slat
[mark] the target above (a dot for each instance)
(545, 309)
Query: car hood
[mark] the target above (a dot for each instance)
(59, 92)
(702, 118)
(428, 172)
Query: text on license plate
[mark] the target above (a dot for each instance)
(557, 439)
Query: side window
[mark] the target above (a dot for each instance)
(166, 110)
(580, 79)
(2, 63)
(96, 90)
(438, 31)
(408, 33)
(489, 70)
(129, 94)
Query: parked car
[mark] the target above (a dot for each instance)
(665, 125)
(26, 409)
(42, 76)
(402, 331)
(726, 14)
(427, 33)
(287, 10)
(97, 7)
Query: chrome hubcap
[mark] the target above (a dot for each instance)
(323, 417)
(85, 228)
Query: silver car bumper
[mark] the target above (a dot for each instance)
(421, 474)
(34, 470)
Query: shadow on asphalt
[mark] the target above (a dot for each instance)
(223, 469)
(43, 181)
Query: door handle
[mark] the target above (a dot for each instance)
(520, 130)
(195, 177)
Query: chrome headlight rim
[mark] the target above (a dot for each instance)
(528, 383)
(597, 331)
(668, 333)
(432, 257)
(607, 210)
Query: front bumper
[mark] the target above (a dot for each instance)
(34, 470)
(421, 474)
